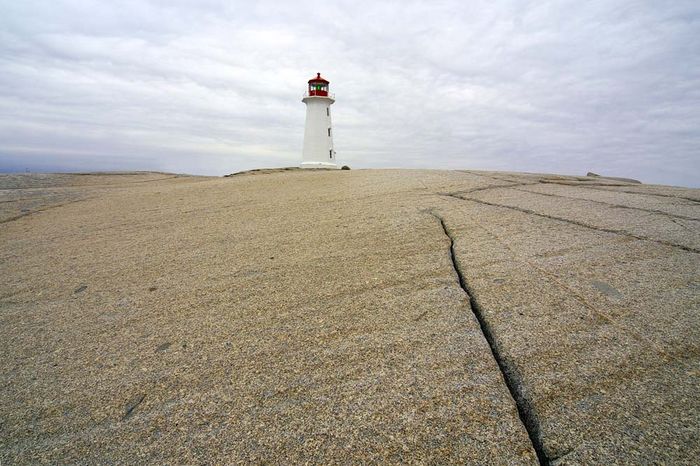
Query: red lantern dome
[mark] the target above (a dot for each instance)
(318, 86)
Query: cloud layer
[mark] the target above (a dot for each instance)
(213, 87)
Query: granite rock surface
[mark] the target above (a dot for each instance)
(338, 317)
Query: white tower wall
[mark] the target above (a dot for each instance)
(318, 134)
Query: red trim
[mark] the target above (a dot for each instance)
(318, 79)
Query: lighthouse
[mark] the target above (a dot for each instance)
(318, 135)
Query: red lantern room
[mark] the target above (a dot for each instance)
(318, 86)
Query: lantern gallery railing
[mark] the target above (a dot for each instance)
(319, 94)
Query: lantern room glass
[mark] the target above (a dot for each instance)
(318, 88)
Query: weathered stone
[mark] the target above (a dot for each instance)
(163, 346)
(606, 289)
(407, 316)
(132, 404)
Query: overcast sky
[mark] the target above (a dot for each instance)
(214, 86)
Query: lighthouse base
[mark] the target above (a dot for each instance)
(318, 165)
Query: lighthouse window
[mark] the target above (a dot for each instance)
(329, 132)
(330, 152)
(328, 111)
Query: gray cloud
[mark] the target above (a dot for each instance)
(214, 86)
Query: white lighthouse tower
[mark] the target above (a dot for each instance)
(318, 136)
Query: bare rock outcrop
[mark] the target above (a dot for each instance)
(373, 316)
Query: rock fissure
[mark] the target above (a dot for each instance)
(677, 222)
(509, 372)
(496, 186)
(581, 183)
(619, 206)
(682, 198)
(574, 222)
(36, 211)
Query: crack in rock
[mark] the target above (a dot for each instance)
(574, 222)
(620, 206)
(132, 404)
(682, 198)
(509, 372)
